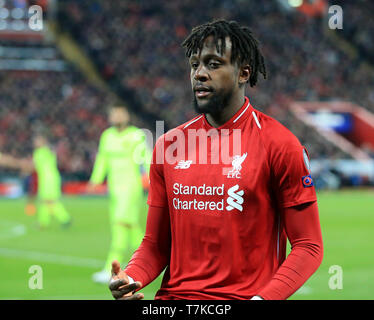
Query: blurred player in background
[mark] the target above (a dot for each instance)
(44, 162)
(119, 147)
(30, 181)
(31, 189)
(45, 178)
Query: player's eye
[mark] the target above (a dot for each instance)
(214, 65)
(194, 65)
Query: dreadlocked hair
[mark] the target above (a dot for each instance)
(245, 47)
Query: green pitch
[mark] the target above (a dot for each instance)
(69, 257)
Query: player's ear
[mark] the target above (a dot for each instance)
(244, 74)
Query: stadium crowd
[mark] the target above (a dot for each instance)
(359, 25)
(60, 105)
(136, 46)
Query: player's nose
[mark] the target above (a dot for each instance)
(201, 74)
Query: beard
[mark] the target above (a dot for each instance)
(119, 125)
(215, 104)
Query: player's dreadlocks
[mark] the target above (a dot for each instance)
(244, 50)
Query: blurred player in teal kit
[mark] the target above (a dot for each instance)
(123, 157)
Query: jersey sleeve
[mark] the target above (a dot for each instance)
(304, 233)
(157, 196)
(142, 153)
(153, 254)
(292, 180)
(40, 158)
(37, 158)
(101, 164)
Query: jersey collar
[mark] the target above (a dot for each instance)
(235, 121)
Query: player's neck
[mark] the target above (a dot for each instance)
(121, 127)
(220, 118)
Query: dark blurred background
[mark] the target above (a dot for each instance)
(60, 79)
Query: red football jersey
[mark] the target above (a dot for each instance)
(224, 188)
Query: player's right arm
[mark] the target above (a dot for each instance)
(9, 161)
(100, 167)
(153, 254)
(5, 160)
(149, 259)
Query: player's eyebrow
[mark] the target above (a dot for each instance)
(205, 57)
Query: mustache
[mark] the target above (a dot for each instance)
(214, 105)
(201, 87)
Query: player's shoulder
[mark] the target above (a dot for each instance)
(42, 152)
(133, 129)
(135, 134)
(182, 129)
(113, 131)
(273, 133)
(108, 132)
(194, 123)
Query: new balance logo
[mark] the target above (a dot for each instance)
(183, 164)
(235, 199)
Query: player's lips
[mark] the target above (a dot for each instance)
(202, 91)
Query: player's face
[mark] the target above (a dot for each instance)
(39, 142)
(118, 117)
(214, 78)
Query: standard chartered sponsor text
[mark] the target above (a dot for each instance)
(202, 190)
(180, 189)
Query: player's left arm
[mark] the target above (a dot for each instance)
(143, 156)
(304, 233)
(298, 210)
(100, 167)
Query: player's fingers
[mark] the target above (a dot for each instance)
(122, 287)
(129, 287)
(118, 294)
(116, 267)
(126, 291)
(137, 296)
(115, 284)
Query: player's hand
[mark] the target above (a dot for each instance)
(120, 285)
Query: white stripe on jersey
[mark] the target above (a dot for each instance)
(192, 122)
(256, 119)
(241, 113)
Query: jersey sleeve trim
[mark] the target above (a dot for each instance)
(298, 202)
